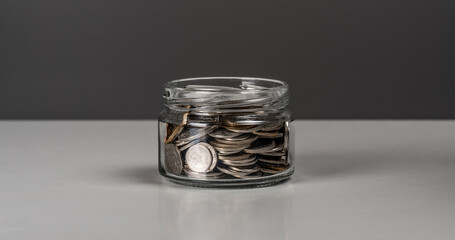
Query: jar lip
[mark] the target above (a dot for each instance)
(226, 94)
(279, 84)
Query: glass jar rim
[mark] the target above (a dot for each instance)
(279, 84)
(222, 94)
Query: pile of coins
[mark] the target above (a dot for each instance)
(212, 147)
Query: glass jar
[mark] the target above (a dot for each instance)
(226, 132)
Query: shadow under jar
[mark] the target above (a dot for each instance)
(226, 132)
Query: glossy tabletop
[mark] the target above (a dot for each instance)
(353, 180)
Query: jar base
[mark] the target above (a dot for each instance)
(230, 183)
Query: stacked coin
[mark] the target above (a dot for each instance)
(231, 146)
(216, 147)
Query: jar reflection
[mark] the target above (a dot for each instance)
(226, 214)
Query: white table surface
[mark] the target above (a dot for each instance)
(64, 180)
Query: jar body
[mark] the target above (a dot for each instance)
(249, 145)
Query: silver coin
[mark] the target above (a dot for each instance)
(190, 144)
(230, 149)
(230, 172)
(272, 126)
(180, 143)
(241, 156)
(248, 170)
(214, 155)
(199, 158)
(274, 154)
(201, 120)
(227, 152)
(279, 147)
(246, 160)
(243, 129)
(242, 136)
(279, 135)
(271, 134)
(270, 161)
(239, 163)
(237, 142)
(203, 176)
(240, 174)
(241, 121)
(172, 161)
(223, 133)
(233, 145)
(190, 134)
(261, 148)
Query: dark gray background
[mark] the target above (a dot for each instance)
(65, 59)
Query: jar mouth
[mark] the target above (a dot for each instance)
(225, 94)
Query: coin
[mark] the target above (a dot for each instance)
(245, 160)
(243, 129)
(240, 163)
(272, 126)
(180, 143)
(274, 154)
(231, 145)
(273, 166)
(271, 161)
(214, 155)
(261, 148)
(190, 134)
(240, 174)
(234, 157)
(286, 135)
(244, 141)
(199, 158)
(279, 135)
(278, 147)
(239, 122)
(223, 133)
(194, 119)
(267, 134)
(171, 133)
(226, 152)
(188, 145)
(242, 136)
(172, 161)
(231, 172)
(249, 169)
(229, 151)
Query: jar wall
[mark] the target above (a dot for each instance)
(226, 150)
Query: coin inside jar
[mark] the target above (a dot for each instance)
(172, 161)
(199, 158)
(190, 134)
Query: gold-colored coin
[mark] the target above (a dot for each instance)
(273, 166)
(174, 132)
(267, 134)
